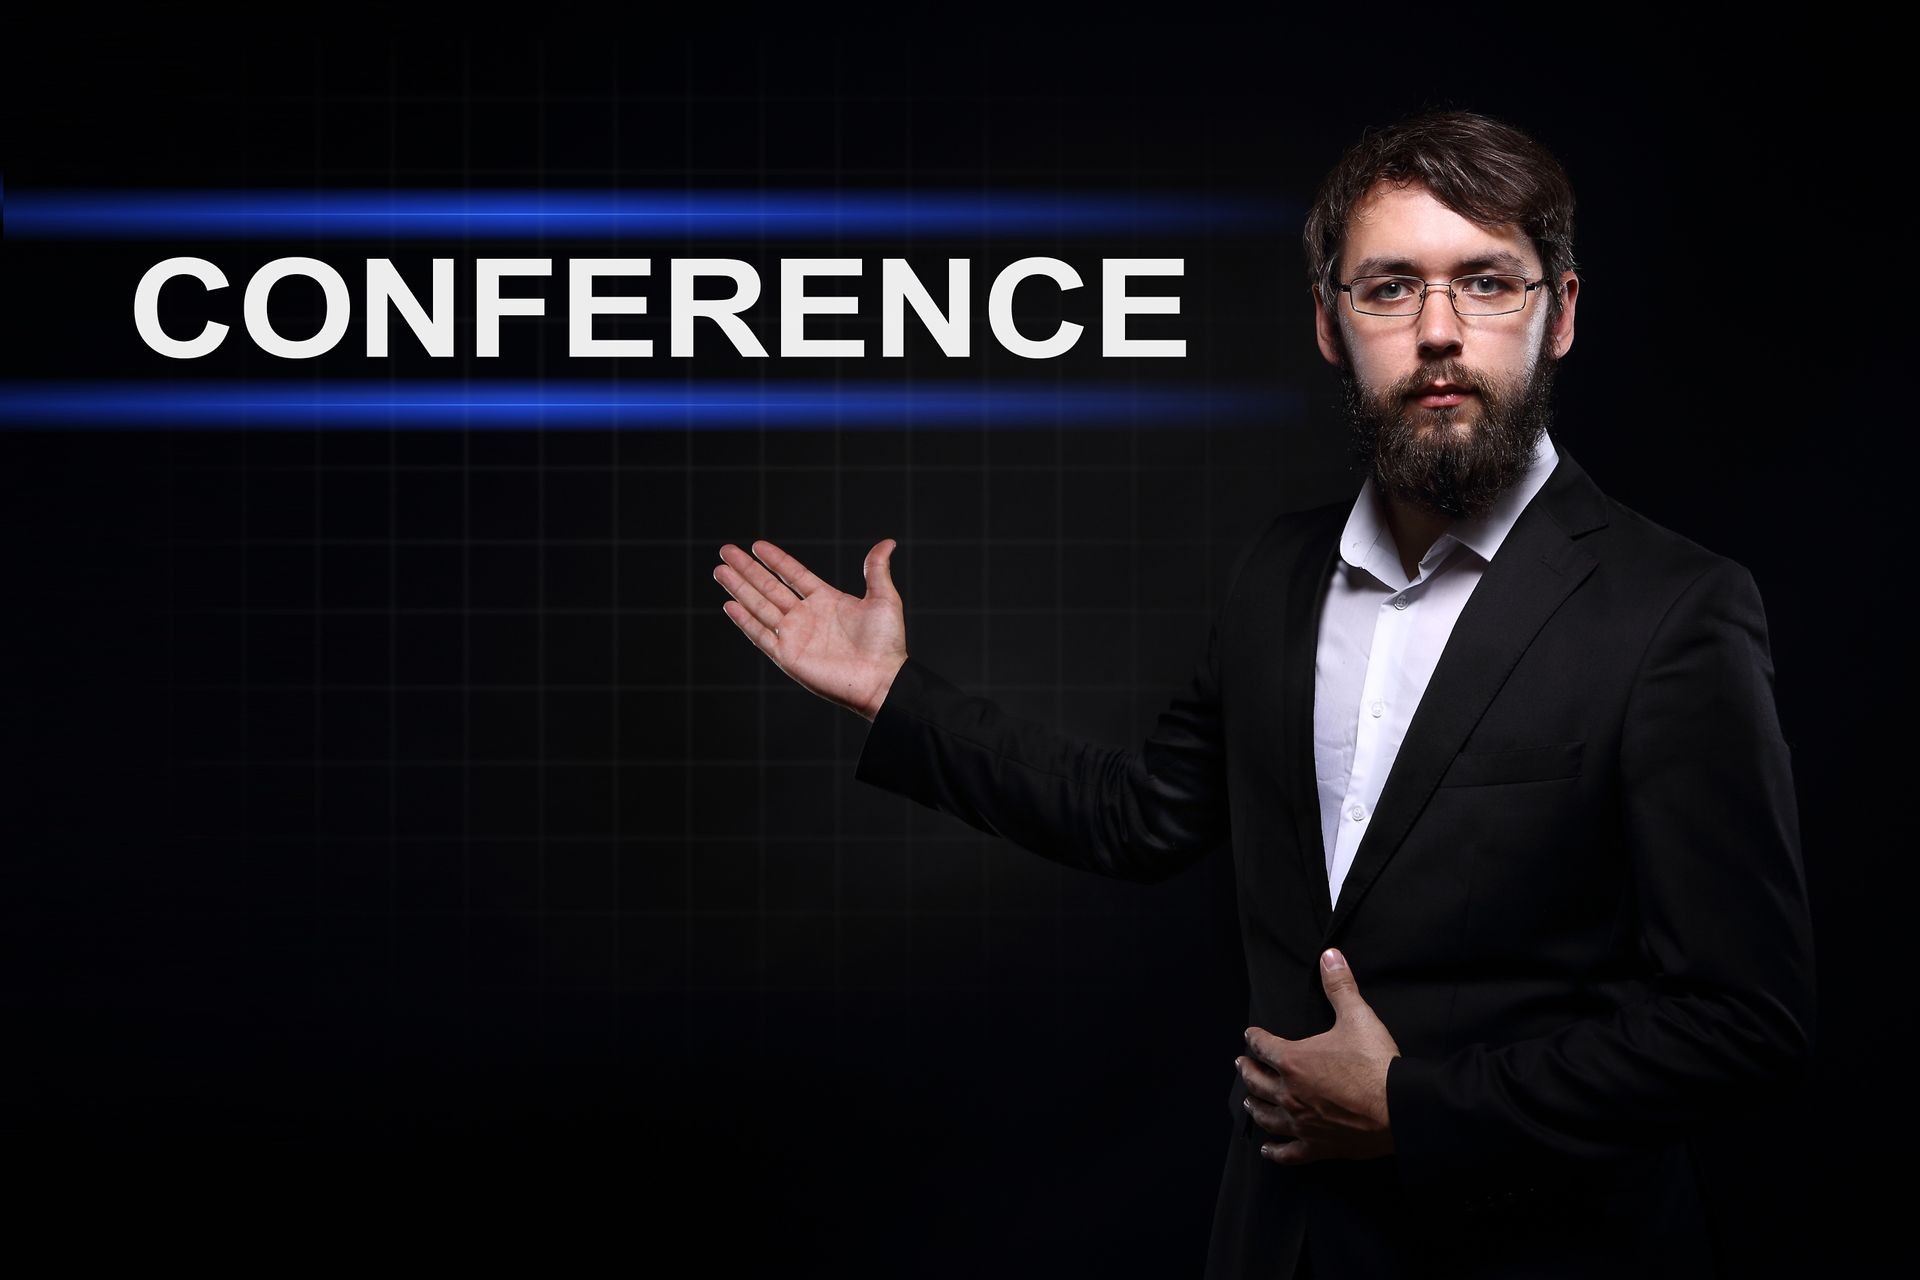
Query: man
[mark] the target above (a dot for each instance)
(1511, 813)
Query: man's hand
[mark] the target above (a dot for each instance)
(845, 648)
(1327, 1093)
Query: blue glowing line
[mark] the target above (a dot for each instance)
(508, 214)
(734, 405)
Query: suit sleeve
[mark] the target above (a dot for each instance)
(1142, 815)
(1712, 831)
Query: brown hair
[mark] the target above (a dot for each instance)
(1483, 169)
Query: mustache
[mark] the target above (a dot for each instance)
(1418, 383)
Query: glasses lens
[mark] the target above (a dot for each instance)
(1489, 295)
(1387, 295)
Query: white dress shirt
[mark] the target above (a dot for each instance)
(1380, 638)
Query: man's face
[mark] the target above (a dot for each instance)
(1450, 455)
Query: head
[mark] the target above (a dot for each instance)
(1441, 195)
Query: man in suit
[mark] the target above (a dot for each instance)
(1511, 814)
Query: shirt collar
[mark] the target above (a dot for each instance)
(1367, 543)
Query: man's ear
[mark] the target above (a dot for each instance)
(1560, 338)
(1326, 328)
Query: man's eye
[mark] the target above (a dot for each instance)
(1384, 291)
(1483, 284)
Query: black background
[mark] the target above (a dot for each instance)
(396, 821)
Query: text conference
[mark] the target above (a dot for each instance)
(435, 327)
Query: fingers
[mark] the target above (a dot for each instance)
(1260, 1081)
(1337, 980)
(1265, 1048)
(762, 638)
(1267, 1100)
(749, 600)
(750, 582)
(791, 571)
(1274, 1117)
(879, 571)
(1297, 1151)
(1271, 1107)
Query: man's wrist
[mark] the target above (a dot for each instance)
(879, 698)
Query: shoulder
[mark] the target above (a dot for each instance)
(1668, 567)
(1284, 537)
(1687, 602)
(1292, 531)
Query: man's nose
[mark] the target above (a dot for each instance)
(1437, 326)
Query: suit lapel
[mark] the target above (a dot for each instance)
(1305, 599)
(1538, 566)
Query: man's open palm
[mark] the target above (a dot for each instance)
(844, 648)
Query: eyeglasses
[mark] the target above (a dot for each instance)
(1407, 295)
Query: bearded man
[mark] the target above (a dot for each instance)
(1510, 810)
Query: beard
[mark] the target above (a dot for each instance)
(1453, 461)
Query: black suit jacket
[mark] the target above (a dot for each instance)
(1580, 908)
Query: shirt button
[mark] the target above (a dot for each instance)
(1399, 602)
(1379, 708)
(1358, 812)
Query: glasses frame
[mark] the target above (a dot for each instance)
(1453, 296)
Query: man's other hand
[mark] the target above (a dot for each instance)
(845, 648)
(1324, 1097)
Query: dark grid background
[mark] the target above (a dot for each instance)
(403, 803)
